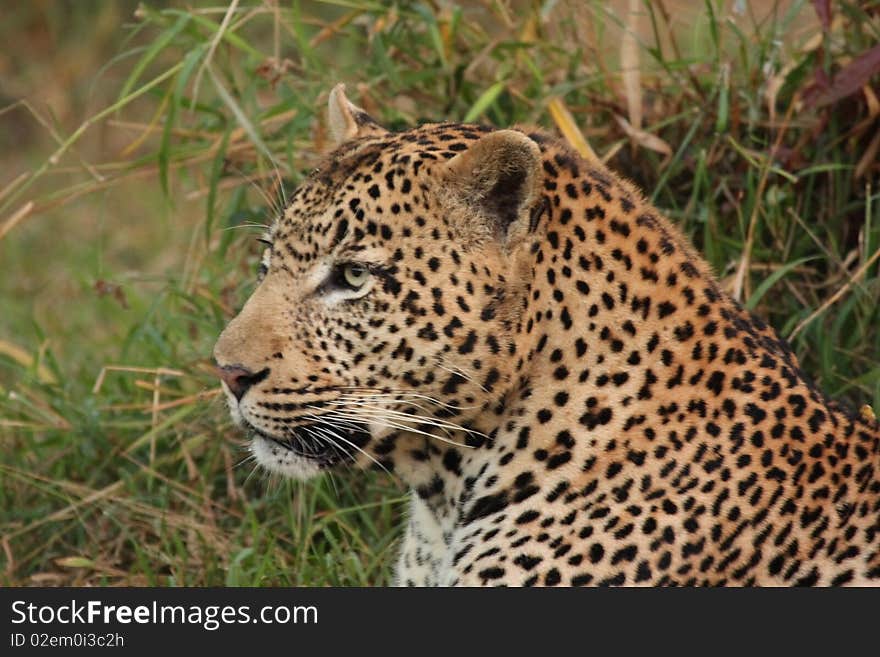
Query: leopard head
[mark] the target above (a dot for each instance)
(390, 299)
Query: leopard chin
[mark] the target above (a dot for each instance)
(274, 457)
(303, 451)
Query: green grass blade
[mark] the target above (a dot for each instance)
(485, 101)
(216, 172)
(772, 279)
(240, 116)
(164, 155)
(152, 52)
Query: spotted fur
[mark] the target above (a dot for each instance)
(552, 369)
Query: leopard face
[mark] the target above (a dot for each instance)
(384, 313)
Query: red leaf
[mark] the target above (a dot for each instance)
(823, 11)
(817, 88)
(849, 79)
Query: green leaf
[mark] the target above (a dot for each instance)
(152, 52)
(772, 279)
(189, 63)
(216, 172)
(228, 35)
(434, 33)
(240, 116)
(484, 101)
(75, 562)
(723, 99)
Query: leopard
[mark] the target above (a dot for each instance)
(544, 360)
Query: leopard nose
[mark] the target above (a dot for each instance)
(240, 379)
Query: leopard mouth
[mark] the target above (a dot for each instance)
(316, 443)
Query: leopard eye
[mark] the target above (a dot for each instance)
(263, 267)
(355, 275)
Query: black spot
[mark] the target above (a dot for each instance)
(527, 517)
(810, 579)
(341, 231)
(495, 572)
(581, 580)
(468, 345)
(527, 562)
(843, 578)
(627, 553)
(715, 383)
(486, 506)
(565, 317)
(558, 459)
(665, 309)
(452, 461)
(755, 412)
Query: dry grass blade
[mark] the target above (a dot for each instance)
(50, 128)
(643, 138)
(68, 144)
(158, 116)
(15, 182)
(218, 37)
(771, 91)
(22, 357)
(87, 497)
(629, 65)
(157, 371)
(14, 220)
(569, 129)
(333, 28)
(869, 157)
(834, 298)
(739, 281)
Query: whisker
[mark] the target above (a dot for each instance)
(460, 372)
(328, 428)
(434, 422)
(279, 182)
(377, 418)
(332, 480)
(409, 393)
(254, 469)
(271, 203)
(355, 399)
(248, 224)
(249, 457)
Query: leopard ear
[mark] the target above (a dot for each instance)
(348, 121)
(499, 179)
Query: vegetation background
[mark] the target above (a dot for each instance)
(143, 145)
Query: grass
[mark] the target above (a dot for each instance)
(127, 236)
